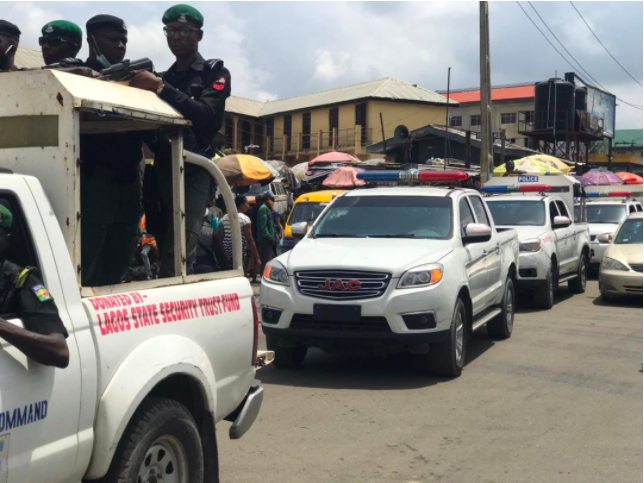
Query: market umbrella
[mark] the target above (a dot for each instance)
(630, 178)
(374, 162)
(602, 178)
(243, 169)
(299, 170)
(582, 180)
(286, 172)
(529, 166)
(345, 177)
(333, 157)
(551, 160)
(274, 171)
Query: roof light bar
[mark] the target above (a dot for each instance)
(414, 175)
(515, 188)
(614, 194)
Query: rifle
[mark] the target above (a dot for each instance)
(125, 70)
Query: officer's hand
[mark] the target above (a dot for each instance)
(145, 80)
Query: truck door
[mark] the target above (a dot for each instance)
(39, 405)
(476, 264)
(570, 255)
(492, 253)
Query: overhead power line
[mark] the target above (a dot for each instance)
(602, 44)
(567, 61)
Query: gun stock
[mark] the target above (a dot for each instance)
(125, 70)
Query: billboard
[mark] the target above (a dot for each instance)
(600, 103)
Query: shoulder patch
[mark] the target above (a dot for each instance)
(220, 84)
(41, 292)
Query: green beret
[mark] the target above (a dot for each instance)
(183, 14)
(64, 28)
(6, 218)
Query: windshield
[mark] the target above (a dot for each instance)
(517, 212)
(387, 217)
(630, 233)
(606, 213)
(306, 212)
(257, 189)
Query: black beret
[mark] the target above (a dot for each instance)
(103, 23)
(7, 28)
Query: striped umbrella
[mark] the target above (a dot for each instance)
(244, 169)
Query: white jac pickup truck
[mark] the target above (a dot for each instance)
(407, 269)
(553, 247)
(152, 365)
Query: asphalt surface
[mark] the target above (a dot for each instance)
(561, 401)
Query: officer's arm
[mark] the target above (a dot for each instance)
(49, 350)
(208, 107)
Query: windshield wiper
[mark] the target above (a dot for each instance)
(400, 235)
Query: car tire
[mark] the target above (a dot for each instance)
(501, 326)
(286, 357)
(161, 442)
(545, 296)
(578, 284)
(448, 358)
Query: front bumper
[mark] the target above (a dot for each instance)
(386, 310)
(533, 268)
(620, 282)
(246, 414)
(597, 251)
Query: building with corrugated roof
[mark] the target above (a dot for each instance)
(27, 58)
(509, 103)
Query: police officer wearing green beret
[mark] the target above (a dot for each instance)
(22, 293)
(9, 40)
(198, 89)
(60, 40)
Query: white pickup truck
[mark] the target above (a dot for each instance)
(408, 269)
(553, 247)
(152, 365)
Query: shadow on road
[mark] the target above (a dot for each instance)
(526, 303)
(350, 371)
(627, 301)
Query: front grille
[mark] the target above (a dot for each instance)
(342, 285)
(372, 325)
(633, 288)
(637, 267)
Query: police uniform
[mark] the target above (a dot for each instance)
(199, 94)
(110, 192)
(8, 29)
(66, 30)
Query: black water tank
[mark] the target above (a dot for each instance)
(554, 105)
(581, 104)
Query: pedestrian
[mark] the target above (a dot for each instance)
(61, 40)
(110, 177)
(206, 259)
(266, 236)
(149, 251)
(198, 89)
(9, 40)
(249, 248)
(42, 336)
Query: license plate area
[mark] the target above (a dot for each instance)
(341, 313)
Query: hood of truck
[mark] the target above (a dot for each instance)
(391, 255)
(528, 232)
(601, 228)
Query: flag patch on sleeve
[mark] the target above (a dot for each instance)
(220, 84)
(41, 292)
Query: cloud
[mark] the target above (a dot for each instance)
(328, 68)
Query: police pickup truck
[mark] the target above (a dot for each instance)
(400, 269)
(553, 247)
(153, 365)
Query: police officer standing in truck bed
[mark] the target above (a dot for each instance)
(198, 89)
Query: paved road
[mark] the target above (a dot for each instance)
(561, 401)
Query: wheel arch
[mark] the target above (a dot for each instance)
(464, 295)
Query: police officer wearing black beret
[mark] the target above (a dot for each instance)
(198, 89)
(9, 40)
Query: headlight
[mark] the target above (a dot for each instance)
(424, 275)
(276, 273)
(530, 246)
(612, 264)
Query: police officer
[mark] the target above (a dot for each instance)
(198, 89)
(110, 179)
(9, 40)
(60, 40)
(23, 294)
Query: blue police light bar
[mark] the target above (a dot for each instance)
(374, 176)
(495, 189)
(414, 175)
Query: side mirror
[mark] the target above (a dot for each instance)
(477, 233)
(299, 230)
(605, 238)
(561, 222)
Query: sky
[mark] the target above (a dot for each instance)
(277, 50)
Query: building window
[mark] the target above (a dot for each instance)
(529, 116)
(475, 120)
(361, 120)
(528, 143)
(259, 134)
(333, 123)
(229, 132)
(456, 121)
(512, 140)
(270, 127)
(509, 118)
(245, 135)
(306, 130)
(288, 127)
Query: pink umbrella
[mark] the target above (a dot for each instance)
(333, 157)
(345, 177)
(602, 178)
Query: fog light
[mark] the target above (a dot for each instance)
(420, 321)
(271, 316)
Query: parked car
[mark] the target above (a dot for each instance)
(390, 270)
(620, 272)
(553, 248)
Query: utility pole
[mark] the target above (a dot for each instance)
(384, 141)
(486, 108)
(449, 70)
